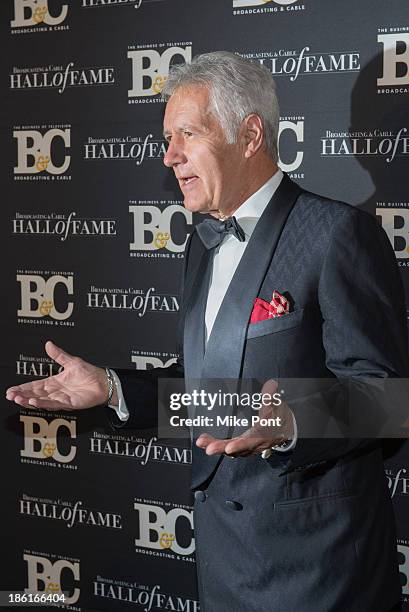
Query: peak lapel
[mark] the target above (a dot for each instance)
(224, 351)
(200, 264)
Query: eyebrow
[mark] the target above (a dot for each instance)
(185, 126)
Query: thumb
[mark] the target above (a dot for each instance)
(270, 386)
(58, 354)
(267, 393)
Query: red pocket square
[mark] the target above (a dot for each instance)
(263, 310)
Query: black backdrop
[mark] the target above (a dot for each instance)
(93, 232)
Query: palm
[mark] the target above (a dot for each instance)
(254, 440)
(80, 385)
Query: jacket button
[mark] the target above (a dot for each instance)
(200, 496)
(233, 505)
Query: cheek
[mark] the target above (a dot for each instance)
(206, 168)
(212, 164)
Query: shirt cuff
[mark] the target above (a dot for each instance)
(121, 410)
(288, 444)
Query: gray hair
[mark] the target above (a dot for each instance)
(238, 87)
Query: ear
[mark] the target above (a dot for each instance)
(253, 134)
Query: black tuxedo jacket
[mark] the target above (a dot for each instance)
(306, 529)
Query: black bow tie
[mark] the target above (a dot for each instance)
(212, 232)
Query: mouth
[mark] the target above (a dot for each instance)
(187, 180)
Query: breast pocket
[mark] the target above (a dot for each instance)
(271, 326)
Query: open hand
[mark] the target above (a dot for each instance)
(258, 438)
(80, 385)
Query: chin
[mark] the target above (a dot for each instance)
(196, 207)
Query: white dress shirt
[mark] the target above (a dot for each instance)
(230, 251)
(226, 259)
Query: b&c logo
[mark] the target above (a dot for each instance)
(33, 12)
(296, 127)
(395, 70)
(41, 439)
(146, 362)
(150, 68)
(153, 228)
(38, 296)
(395, 222)
(34, 151)
(157, 528)
(403, 557)
(44, 576)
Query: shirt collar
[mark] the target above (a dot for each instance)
(254, 206)
(251, 210)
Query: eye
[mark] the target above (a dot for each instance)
(187, 133)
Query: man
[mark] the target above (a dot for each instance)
(307, 526)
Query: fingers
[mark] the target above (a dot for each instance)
(20, 400)
(203, 440)
(252, 441)
(20, 394)
(42, 403)
(34, 395)
(58, 354)
(25, 392)
(239, 446)
(211, 445)
(247, 446)
(216, 446)
(11, 393)
(47, 404)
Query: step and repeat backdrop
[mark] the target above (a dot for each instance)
(93, 231)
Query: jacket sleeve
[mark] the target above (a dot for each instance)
(364, 333)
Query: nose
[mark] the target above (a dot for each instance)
(174, 154)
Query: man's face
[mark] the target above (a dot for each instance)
(206, 166)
